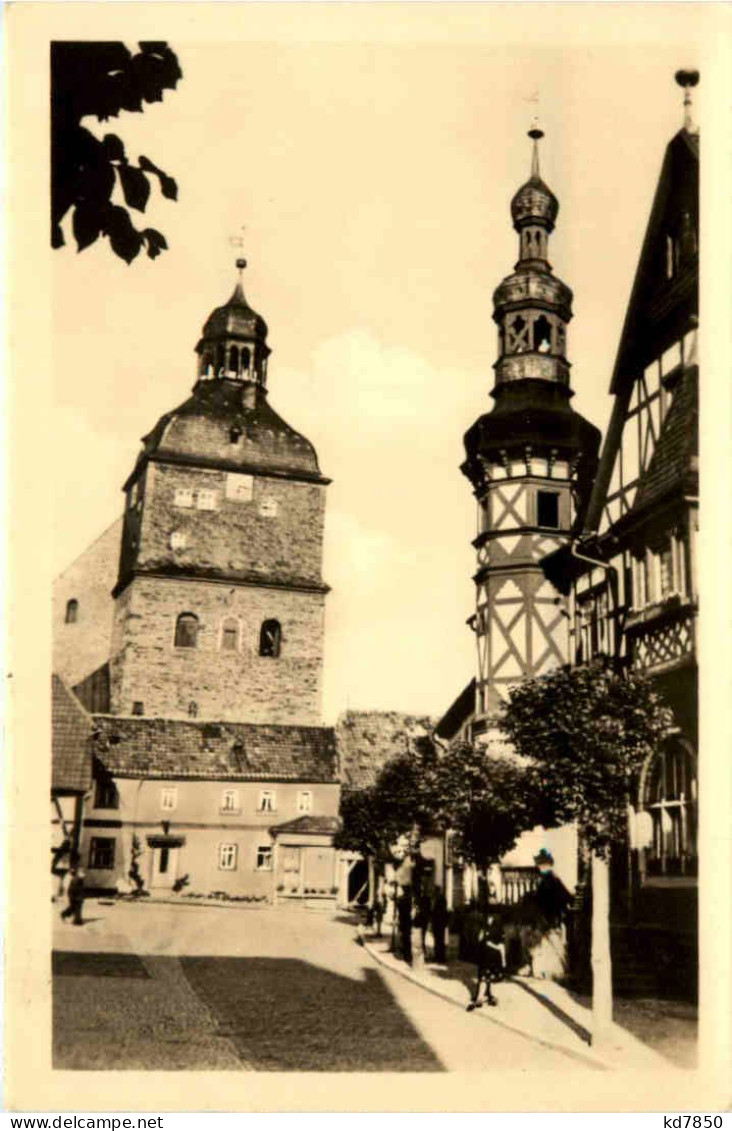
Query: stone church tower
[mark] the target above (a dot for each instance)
(219, 601)
(530, 460)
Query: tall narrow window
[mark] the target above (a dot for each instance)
(186, 631)
(227, 857)
(245, 360)
(542, 335)
(234, 359)
(270, 638)
(105, 794)
(666, 571)
(230, 635)
(670, 798)
(267, 801)
(547, 509)
(72, 611)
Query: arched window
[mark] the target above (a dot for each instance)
(270, 638)
(245, 359)
(72, 611)
(220, 357)
(669, 796)
(234, 359)
(542, 334)
(186, 631)
(230, 635)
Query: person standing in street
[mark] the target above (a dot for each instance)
(491, 961)
(75, 893)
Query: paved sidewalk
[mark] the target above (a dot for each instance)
(533, 1007)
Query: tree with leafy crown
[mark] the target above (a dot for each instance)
(586, 732)
(98, 80)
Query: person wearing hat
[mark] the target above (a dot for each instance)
(552, 897)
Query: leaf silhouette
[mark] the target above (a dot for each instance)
(135, 186)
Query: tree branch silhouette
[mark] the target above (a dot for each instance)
(91, 79)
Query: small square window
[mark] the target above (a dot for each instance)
(230, 801)
(206, 500)
(547, 509)
(264, 858)
(227, 857)
(304, 801)
(168, 798)
(183, 497)
(101, 853)
(138, 707)
(267, 799)
(268, 508)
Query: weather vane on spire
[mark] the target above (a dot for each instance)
(687, 80)
(238, 241)
(535, 133)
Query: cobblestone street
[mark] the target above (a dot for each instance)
(154, 986)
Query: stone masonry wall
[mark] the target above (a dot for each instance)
(273, 530)
(229, 686)
(83, 646)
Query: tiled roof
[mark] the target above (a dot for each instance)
(457, 713)
(178, 748)
(71, 729)
(673, 464)
(369, 739)
(322, 826)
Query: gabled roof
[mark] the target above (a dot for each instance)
(71, 729)
(458, 713)
(678, 190)
(134, 747)
(660, 310)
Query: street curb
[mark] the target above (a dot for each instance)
(229, 905)
(592, 1059)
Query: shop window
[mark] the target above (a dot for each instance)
(547, 509)
(101, 853)
(230, 635)
(270, 638)
(267, 801)
(106, 795)
(670, 796)
(72, 611)
(227, 857)
(264, 858)
(186, 631)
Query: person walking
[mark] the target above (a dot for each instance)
(491, 961)
(75, 893)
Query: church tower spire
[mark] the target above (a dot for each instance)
(530, 460)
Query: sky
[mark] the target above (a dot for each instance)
(372, 174)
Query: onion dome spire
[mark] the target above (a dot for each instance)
(534, 206)
(233, 344)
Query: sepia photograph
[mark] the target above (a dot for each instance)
(372, 468)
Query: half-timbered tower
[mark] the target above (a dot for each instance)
(633, 577)
(530, 460)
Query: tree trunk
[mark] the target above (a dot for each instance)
(602, 988)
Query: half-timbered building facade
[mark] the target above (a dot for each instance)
(632, 577)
